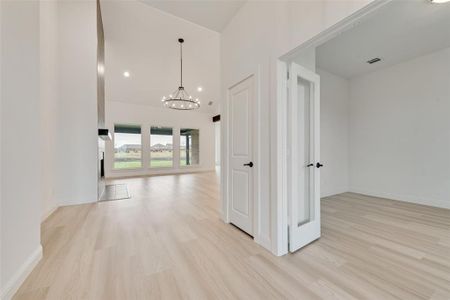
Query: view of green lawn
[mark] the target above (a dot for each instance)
(161, 159)
(164, 163)
(158, 159)
(127, 164)
(127, 160)
(182, 157)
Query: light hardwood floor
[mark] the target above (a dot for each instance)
(168, 242)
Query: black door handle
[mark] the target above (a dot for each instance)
(310, 165)
(318, 165)
(250, 164)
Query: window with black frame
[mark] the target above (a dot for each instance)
(127, 146)
(161, 147)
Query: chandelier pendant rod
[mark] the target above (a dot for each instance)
(181, 62)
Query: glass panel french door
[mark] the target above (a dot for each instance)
(303, 157)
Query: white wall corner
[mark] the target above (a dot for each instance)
(385, 131)
(13, 285)
(278, 167)
(48, 213)
(264, 241)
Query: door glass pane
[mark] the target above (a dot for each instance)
(189, 147)
(161, 147)
(302, 183)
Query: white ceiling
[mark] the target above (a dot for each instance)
(143, 40)
(212, 14)
(399, 31)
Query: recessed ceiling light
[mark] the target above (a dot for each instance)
(199, 89)
(439, 1)
(126, 74)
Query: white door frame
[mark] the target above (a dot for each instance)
(279, 207)
(225, 162)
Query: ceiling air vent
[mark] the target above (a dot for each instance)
(374, 60)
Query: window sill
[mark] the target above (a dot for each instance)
(190, 166)
(161, 168)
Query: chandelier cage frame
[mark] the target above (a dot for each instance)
(180, 99)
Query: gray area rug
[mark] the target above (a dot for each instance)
(115, 192)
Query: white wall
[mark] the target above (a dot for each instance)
(147, 116)
(68, 70)
(144, 40)
(399, 131)
(20, 140)
(49, 105)
(76, 151)
(334, 141)
(251, 44)
(49, 101)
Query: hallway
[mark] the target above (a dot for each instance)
(168, 242)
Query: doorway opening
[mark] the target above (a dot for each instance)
(377, 81)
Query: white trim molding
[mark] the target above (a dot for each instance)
(402, 197)
(338, 28)
(279, 186)
(188, 170)
(13, 285)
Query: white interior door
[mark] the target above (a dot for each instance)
(303, 155)
(241, 97)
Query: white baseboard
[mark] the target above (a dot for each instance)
(334, 191)
(123, 174)
(21, 274)
(263, 241)
(405, 198)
